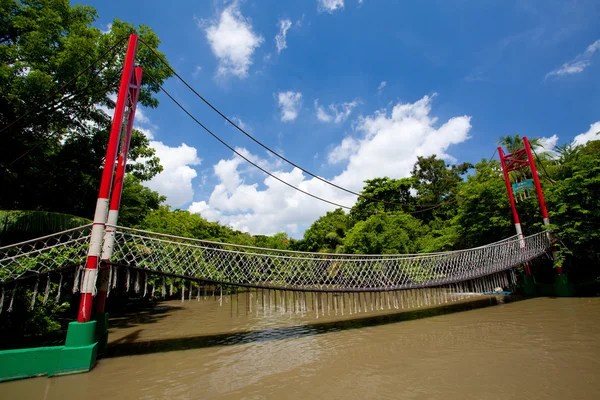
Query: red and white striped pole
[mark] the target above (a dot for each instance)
(100, 215)
(513, 206)
(115, 198)
(540, 195)
(511, 199)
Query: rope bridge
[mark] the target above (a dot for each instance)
(215, 264)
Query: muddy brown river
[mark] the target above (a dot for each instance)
(540, 348)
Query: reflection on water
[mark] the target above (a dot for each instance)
(539, 348)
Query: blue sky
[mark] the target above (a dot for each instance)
(353, 89)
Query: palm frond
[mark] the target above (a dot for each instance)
(18, 225)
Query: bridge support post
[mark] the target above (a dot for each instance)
(562, 287)
(77, 355)
(542, 203)
(80, 350)
(101, 213)
(100, 316)
(101, 331)
(513, 206)
(530, 286)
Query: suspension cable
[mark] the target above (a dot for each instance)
(237, 152)
(161, 59)
(547, 175)
(263, 169)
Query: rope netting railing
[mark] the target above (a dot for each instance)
(52, 253)
(304, 280)
(238, 265)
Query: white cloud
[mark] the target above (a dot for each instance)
(330, 6)
(238, 121)
(344, 150)
(578, 64)
(572, 67)
(592, 48)
(107, 30)
(338, 112)
(175, 181)
(197, 70)
(290, 103)
(390, 145)
(233, 42)
(280, 38)
(381, 86)
(141, 117)
(321, 114)
(549, 143)
(548, 146)
(591, 134)
(206, 211)
(385, 145)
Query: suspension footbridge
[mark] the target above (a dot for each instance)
(102, 257)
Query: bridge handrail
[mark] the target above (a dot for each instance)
(321, 255)
(45, 237)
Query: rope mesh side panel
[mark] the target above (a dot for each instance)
(287, 270)
(238, 265)
(50, 253)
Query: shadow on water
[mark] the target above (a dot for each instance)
(129, 346)
(134, 316)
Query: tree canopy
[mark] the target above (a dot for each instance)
(52, 105)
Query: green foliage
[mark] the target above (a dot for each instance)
(57, 146)
(435, 181)
(385, 234)
(137, 201)
(442, 235)
(390, 190)
(279, 241)
(179, 223)
(327, 233)
(574, 208)
(483, 211)
(514, 143)
(17, 226)
(42, 321)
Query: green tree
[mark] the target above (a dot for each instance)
(437, 182)
(377, 192)
(180, 223)
(17, 226)
(327, 233)
(515, 142)
(483, 211)
(397, 233)
(55, 130)
(574, 208)
(137, 201)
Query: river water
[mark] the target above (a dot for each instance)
(540, 348)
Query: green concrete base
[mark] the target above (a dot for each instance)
(102, 332)
(562, 286)
(77, 355)
(530, 288)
